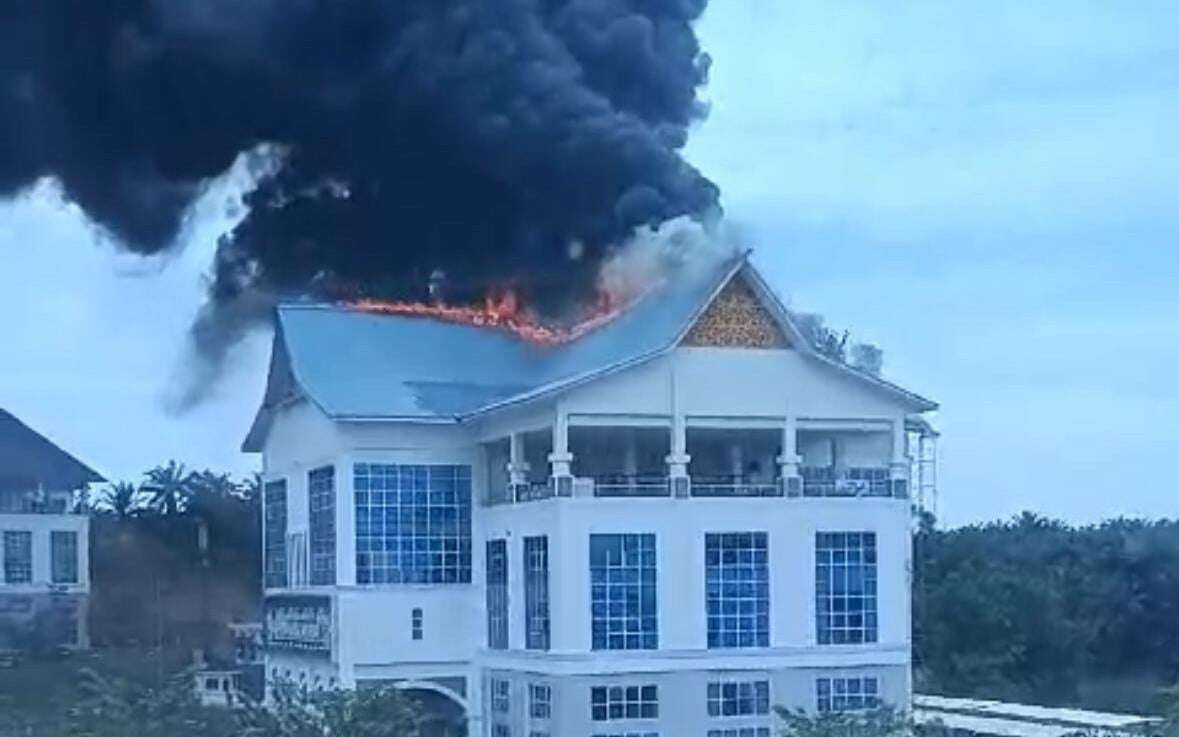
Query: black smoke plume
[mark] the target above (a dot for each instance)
(479, 137)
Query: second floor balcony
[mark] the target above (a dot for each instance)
(35, 501)
(646, 461)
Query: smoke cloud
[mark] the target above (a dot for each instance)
(500, 141)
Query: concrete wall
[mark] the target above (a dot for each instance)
(682, 696)
(707, 387)
(41, 525)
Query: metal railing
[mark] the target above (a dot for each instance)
(631, 485)
(734, 486)
(824, 481)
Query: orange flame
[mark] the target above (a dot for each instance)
(502, 310)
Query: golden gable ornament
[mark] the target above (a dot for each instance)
(736, 319)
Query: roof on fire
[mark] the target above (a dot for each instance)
(357, 365)
(27, 457)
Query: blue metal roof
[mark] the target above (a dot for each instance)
(356, 364)
(362, 365)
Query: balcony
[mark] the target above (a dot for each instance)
(35, 502)
(737, 462)
(714, 460)
(622, 461)
(826, 481)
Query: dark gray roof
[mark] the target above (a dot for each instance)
(28, 458)
(359, 365)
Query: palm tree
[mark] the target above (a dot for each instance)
(121, 499)
(170, 488)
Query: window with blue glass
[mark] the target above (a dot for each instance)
(63, 556)
(737, 589)
(18, 556)
(497, 594)
(321, 506)
(622, 592)
(847, 694)
(536, 593)
(274, 498)
(413, 523)
(845, 587)
(738, 698)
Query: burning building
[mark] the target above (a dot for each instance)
(44, 557)
(664, 523)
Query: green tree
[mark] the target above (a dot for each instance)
(169, 486)
(113, 707)
(295, 711)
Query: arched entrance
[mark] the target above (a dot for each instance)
(443, 712)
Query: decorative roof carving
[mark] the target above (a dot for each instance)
(737, 319)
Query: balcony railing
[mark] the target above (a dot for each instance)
(532, 490)
(732, 485)
(31, 504)
(631, 485)
(824, 481)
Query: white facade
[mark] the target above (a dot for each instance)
(44, 578)
(806, 410)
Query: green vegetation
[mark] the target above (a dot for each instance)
(174, 559)
(1037, 611)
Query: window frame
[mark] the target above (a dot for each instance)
(497, 588)
(321, 525)
(20, 541)
(537, 622)
(846, 594)
(830, 689)
(412, 523)
(69, 558)
(624, 568)
(737, 589)
(274, 533)
(629, 702)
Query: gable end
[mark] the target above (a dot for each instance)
(736, 318)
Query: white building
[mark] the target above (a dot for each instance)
(663, 528)
(44, 548)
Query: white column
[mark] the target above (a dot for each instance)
(517, 467)
(677, 460)
(561, 460)
(790, 462)
(898, 469)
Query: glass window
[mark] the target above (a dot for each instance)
(501, 696)
(536, 593)
(627, 734)
(738, 698)
(740, 732)
(845, 587)
(501, 730)
(847, 694)
(18, 556)
(274, 497)
(622, 592)
(497, 594)
(413, 523)
(415, 624)
(540, 701)
(737, 580)
(321, 501)
(624, 702)
(63, 556)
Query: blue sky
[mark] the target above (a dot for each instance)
(987, 190)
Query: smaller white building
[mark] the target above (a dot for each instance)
(44, 546)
